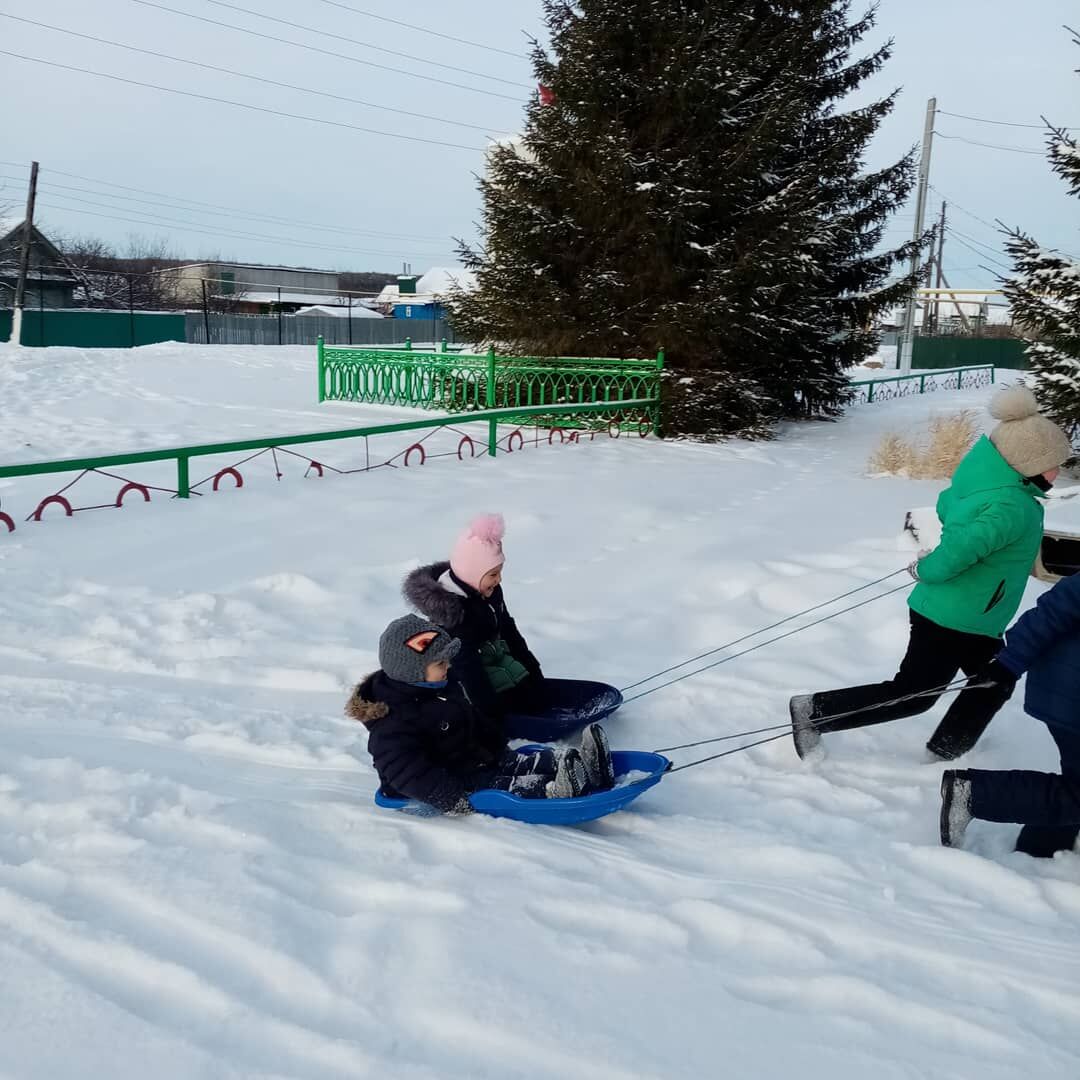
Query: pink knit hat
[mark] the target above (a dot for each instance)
(479, 549)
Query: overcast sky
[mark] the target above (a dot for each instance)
(387, 200)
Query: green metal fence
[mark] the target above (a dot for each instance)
(95, 329)
(638, 412)
(953, 351)
(462, 382)
(898, 386)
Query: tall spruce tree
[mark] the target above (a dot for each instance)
(693, 186)
(1045, 299)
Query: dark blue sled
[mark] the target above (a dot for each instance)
(570, 705)
(558, 811)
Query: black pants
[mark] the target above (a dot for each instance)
(1047, 804)
(934, 656)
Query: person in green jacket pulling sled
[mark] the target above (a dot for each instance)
(969, 587)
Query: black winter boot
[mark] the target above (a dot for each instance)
(596, 754)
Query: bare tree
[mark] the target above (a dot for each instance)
(113, 280)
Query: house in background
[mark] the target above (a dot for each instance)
(254, 289)
(422, 297)
(338, 311)
(49, 283)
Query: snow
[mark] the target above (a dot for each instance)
(194, 880)
(339, 311)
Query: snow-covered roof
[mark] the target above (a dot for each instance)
(339, 311)
(272, 296)
(9, 223)
(431, 287)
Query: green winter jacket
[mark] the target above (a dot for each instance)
(504, 672)
(992, 527)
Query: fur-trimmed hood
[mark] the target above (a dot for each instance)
(423, 589)
(360, 707)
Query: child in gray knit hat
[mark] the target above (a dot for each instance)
(969, 588)
(429, 743)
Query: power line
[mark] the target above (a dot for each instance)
(364, 44)
(213, 206)
(975, 251)
(61, 189)
(240, 234)
(991, 146)
(964, 209)
(1000, 123)
(239, 104)
(242, 74)
(324, 52)
(157, 222)
(422, 29)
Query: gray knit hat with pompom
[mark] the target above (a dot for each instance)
(1025, 438)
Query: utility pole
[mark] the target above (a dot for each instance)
(940, 266)
(907, 342)
(24, 257)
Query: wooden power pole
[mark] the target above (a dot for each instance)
(24, 257)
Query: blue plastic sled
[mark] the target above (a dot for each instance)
(558, 811)
(570, 705)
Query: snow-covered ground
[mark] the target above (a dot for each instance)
(194, 880)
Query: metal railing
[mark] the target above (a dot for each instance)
(868, 391)
(464, 382)
(624, 413)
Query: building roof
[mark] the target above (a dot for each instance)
(272, 296)
(430, 287)
(254, 266)
(339, 311)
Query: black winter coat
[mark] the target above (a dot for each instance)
(428, 745)
(473, 620)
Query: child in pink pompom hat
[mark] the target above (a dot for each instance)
(465, 597)
(477, 557)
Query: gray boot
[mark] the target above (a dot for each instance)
(570, 777)
(955, 807)
(596, 755)
(804, 731)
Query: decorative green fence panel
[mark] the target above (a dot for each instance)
(465, 382)
(898, 386)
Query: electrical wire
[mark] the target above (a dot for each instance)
(991, 146)
(323, 52)
(60, 190)
(239, 104)
(213, 206)
(365, 45)
(1000, 123)
(245, 75)
(209, 231)
(422, 29)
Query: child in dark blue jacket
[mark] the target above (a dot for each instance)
(1044, 643)
(429, 743)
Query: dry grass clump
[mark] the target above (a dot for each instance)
(933, 456)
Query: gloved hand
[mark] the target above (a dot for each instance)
(997, 675)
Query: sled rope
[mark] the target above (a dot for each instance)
(949, 687)
(773, 640)
(955, 685)
(765, 630)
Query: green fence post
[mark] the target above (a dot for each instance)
(489, 398)
(408, 344)
(922, 384)
(322, 369)
(442, 346)
(183, 480)
(660, 360)
(870, 393)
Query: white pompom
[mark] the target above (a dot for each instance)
(1013, 403)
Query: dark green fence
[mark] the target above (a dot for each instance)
(954, 352)
(95, 329)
